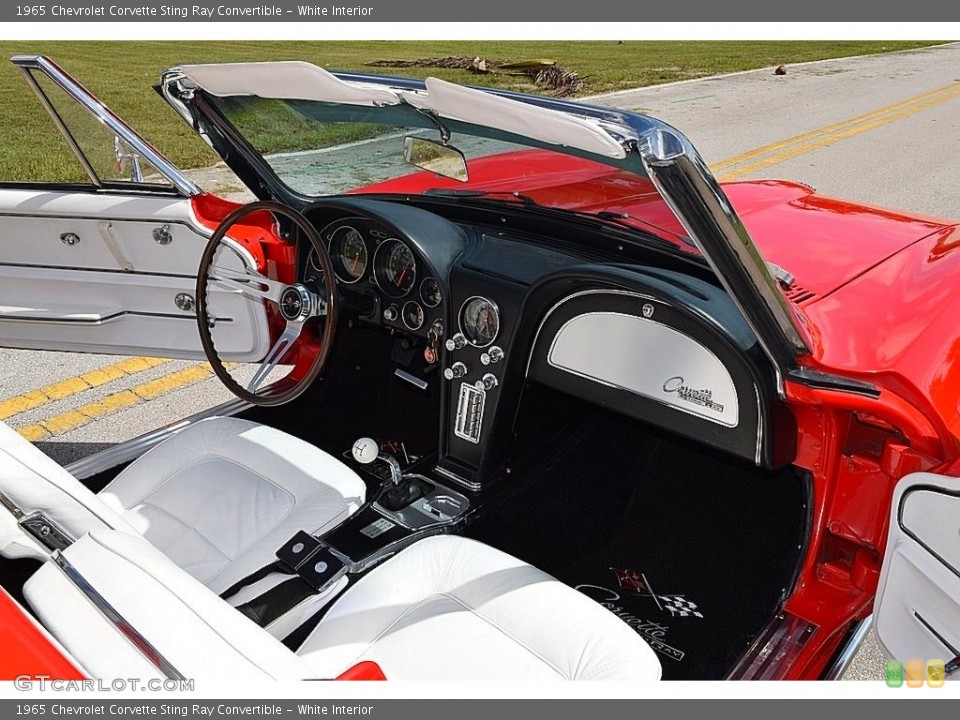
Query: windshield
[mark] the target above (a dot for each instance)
(321, 149)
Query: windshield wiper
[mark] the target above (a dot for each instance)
(624, 220)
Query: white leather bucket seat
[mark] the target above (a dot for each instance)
(444, 608)
(218, 498)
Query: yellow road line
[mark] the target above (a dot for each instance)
(71, 386)
(845, 128)
(73, 419)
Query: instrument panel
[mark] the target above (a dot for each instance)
(373, 261)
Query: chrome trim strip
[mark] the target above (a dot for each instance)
(847, 651)
(62, 128)
(693, 194)
(418, 383)
(469, 484)
(132, 449)
(115, 618)
(102, 113)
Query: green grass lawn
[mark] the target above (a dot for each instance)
(122, 74)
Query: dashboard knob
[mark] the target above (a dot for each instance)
(391, 313)
(457, 370)
(487, 382)
(456, 342)
(492, 356)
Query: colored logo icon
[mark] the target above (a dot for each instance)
(915, 673)
(936, 673)
(894, 673)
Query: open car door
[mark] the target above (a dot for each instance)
(917, 614)
(109, 264)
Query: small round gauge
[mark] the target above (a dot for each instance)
(348, 250)
(479, 321)
(395, 268)
(430, 292)
(412, 315)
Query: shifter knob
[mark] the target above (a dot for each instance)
(365, 450)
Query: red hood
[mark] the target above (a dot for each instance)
(823, 242)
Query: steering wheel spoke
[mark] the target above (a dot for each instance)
(252, 285)
(279, 349)
(293, 305)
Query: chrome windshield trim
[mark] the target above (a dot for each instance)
(115, 618)
(694, 195)
(171, 172)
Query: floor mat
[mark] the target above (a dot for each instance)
(689, 547)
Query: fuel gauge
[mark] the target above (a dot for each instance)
(413, 315)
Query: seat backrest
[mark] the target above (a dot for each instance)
(188, 625)
(35, 483)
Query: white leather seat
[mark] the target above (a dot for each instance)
(219, 498)
(444, 608)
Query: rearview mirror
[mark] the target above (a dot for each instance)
(444, 160)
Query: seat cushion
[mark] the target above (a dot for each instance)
(449, 608)
(220, 497)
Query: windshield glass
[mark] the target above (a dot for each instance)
(318, 149)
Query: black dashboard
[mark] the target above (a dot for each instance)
(492, 309)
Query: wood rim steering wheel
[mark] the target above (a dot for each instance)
(296, 304)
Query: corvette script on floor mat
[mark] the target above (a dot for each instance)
(631, 597)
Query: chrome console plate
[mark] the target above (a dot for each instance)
(469, 413)
(441, 506)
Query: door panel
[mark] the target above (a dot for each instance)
(917, 614)
(112, 286)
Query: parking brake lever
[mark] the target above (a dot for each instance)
(365, 451)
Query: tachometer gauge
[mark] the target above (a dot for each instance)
(395, 268)
(412, 315)
(479, 321)
(348, 250)
(430, 292)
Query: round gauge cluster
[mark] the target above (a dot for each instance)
(362, 251)
(394, 268)
(479, 321)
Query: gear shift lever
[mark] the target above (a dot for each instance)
(366, 450)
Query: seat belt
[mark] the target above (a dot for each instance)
(313, 567)
(41, 528)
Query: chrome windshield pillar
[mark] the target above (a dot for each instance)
(689, 188)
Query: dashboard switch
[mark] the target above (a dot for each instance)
(492, 356)
(487, 382)
(457, 370)
(456, 342)
(391, 313)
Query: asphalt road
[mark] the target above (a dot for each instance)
(882, 130)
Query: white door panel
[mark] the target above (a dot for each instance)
(917, 613)
(124, 313)
(114, 290)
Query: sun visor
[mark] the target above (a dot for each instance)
(549, 126)
(286, 80)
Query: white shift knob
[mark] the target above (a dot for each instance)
(365, 450)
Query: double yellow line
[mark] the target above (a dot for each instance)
(730, 169)
(763, 157)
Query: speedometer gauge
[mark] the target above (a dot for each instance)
(348, 250)
(479, 321)
(395, 268)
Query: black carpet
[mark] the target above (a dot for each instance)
(691, 548)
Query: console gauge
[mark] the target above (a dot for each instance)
(479, 321)
(413, 315)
